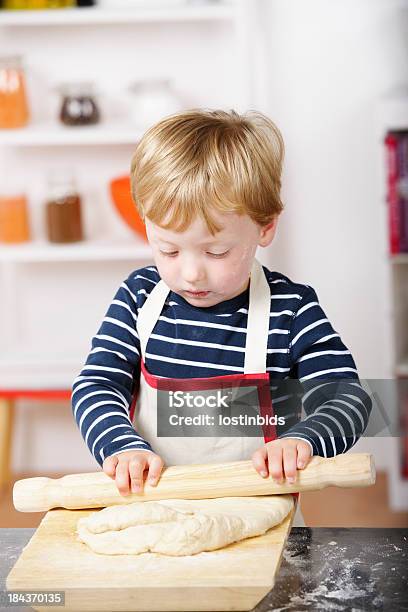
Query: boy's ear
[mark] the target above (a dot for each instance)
(267, 232)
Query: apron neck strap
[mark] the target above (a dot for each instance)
(257, 325)
(150, 313)
(258, 321)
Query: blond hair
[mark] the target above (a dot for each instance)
(198, 161)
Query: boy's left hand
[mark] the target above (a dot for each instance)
(281, 458)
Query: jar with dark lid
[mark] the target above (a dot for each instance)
(63, 211)
(78, 106)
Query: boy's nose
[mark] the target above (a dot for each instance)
(193, 274)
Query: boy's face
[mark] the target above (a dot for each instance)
(205, 269)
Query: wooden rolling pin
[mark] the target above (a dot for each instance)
(236, 479)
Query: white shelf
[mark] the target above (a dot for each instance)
(401, 369)
(95, 16)
(37, 252)
(392, 113)
(398, 486)
(401, 258)
(54, 134)
(27, 369)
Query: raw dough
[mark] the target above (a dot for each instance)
(181, 526)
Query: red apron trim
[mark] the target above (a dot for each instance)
(196, 384)
(191, 384)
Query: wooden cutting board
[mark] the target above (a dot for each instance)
(234, 578)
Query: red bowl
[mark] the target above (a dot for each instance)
(122, 198)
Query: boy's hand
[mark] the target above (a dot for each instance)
(283, 457)
(131, 465)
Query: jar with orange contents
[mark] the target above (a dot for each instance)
(14, 111)
(37, 4)
(14, 222)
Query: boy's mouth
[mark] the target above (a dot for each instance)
(197, 293)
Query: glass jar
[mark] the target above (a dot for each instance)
(63, 210)
(78, 106)
(14, 112)
(37, 4)
(151, 100)
(14, 224)
(15, 4)
(131, 4)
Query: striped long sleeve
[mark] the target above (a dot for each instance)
(102, 393)
(337, 407)
(304, 353)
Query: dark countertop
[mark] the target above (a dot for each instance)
(322, 569)
(342, 569)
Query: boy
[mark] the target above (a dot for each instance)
(207, 316)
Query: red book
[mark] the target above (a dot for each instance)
(391, 148)
(402, 189)
(404, 440)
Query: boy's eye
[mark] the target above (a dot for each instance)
(174, 253)
(218, 255)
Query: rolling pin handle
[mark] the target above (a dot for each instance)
(33, 494)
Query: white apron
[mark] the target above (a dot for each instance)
(156, 394)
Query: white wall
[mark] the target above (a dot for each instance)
(329, 63)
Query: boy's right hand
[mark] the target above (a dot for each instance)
(130, 466)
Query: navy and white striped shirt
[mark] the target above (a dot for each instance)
(189, 341)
